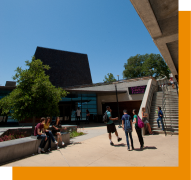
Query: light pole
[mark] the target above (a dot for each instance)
(117, 106)
(118, 77)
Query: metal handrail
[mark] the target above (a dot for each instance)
(166, 89)
(164, 112)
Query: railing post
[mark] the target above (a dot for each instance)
(163, 107)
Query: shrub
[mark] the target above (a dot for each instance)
(13, 136)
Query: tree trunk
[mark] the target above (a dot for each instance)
(33, 125)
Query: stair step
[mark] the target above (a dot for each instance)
(167, 132)
(166, 125)
(166, 115)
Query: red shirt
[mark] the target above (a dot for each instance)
(38, 126)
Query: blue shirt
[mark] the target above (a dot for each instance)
(160, 113)
(127, 124)
(109, 115)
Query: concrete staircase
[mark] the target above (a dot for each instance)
(170, 111)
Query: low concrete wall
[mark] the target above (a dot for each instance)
(20, 148)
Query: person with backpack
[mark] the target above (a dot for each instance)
(160, 118)
(138, 129)
(110, 125)
(127, 127)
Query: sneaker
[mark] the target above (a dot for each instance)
(49, 150)
(119, 139)
(63, 143)
(128, 149)
(39, 150)
(55, 142)
(111, 143)
(42, 150)
(58, 147)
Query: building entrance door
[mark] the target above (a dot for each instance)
(65, 112)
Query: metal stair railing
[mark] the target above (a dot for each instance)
(166, 92)
(164, 108)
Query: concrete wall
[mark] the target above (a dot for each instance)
(20, 148)
(161, 20)
(121, 97)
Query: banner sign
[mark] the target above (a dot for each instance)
(137, 89)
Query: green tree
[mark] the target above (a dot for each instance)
(34, 95)
(109, 78)
(146, 65)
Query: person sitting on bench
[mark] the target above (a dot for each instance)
(38, 131)
(49, 133)
(56, 130)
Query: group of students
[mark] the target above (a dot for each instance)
(42, 132)
(127, 125)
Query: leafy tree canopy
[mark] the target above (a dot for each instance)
(34, 95)
(146, 65)
(109, 78)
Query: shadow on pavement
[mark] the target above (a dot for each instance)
(119, 145)
(71, 142)
(146, 147)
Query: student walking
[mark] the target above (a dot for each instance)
(138, 130)
(127, 127)
(78, 114)
(145, 120)
(49, 133)
(87, 116)
(160, 118)
(111, 126)
(39, 132)
(56, 130)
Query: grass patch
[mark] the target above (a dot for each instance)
(75, 134)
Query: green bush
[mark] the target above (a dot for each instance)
(75, 134)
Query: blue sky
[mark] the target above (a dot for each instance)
(108, 31)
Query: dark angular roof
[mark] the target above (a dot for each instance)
(67, 68)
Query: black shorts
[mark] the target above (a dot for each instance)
(111, 128)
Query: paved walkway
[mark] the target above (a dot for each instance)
(93, 149)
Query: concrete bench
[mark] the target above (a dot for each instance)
(20, 148)
(65, 138)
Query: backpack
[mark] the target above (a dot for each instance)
(140, 122)
(105, 118)
(127, 122)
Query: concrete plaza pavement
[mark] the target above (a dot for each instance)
(93, 149)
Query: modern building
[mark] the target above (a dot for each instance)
(71, 71)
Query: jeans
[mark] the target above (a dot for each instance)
(139, 134)
(160, 119)
(78, 120)
(43, 142)
(127, 139)
(50, 137)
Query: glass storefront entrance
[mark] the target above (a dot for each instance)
(69, 105)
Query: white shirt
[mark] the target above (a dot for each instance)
(78, 112)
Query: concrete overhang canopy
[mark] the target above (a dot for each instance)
(96, 92)
(160, 17)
